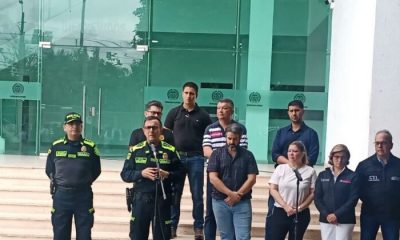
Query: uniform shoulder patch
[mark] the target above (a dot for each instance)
(167, 146)
(60, 140)
(138, 146)
(89, 142)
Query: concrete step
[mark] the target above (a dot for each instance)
(25, 206)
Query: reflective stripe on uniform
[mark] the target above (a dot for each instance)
(140, 160)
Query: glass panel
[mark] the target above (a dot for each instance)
(174, 67)
(18, 63)
(300, 43)
(93, 69)
(18, 126)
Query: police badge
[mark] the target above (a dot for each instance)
(83, 148)
(165, 156)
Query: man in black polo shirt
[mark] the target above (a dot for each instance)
(188, 122)
(153, 108)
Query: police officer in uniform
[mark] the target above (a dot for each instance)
(151, 165)
(153, 108)
(73, 164)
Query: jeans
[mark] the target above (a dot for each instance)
(370, 225)
(233, 221)
(194, 168)
(210, 225)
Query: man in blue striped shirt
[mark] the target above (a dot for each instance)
(214, 137)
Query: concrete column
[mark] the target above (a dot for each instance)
(350, 80)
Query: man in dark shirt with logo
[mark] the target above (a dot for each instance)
(153, 108)
(73, 164)
(188, 122)
(379, 177)
(151, 165)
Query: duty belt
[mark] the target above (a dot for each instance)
(73, 189)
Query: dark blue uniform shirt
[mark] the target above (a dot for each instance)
(285, 136)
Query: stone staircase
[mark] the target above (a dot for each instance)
(25, 204)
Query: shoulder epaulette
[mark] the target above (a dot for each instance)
(58, 141)
(89, 142)
(138, 146)
(167, 146)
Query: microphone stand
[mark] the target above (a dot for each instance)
(296, 220)
(158, 180)
(153, 149)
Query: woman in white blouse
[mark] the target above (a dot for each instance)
(283, 188)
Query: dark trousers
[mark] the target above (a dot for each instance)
(210, 225)
(370, 225)
(144, 207)
(268, 229)
(68, 204)
(282, 224)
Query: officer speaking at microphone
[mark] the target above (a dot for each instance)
(73, 164)
(152, 166)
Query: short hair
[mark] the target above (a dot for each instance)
(297, 103)
(235, 129)
(338, 149)
(302, 148)
(154, 103)
(227, 100)
(191, 85)
(384, 131)
(149, 118)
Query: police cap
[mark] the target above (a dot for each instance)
(72, 117)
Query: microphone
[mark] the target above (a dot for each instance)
(153, 149)
(298, 175)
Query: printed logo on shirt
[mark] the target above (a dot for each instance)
(394, 178)
(216, 134)
(346, 181)
(324, 179)
(373, 179)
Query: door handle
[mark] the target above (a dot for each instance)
(99, 115)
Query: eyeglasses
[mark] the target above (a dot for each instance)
(154, 113)
(383, 143)
(151, 127)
